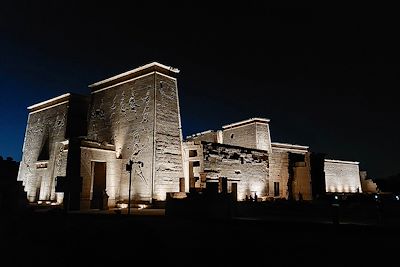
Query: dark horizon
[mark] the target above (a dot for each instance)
(325, 77)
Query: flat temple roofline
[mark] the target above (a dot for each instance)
(200, 133)
(50, 102)
(244, 122)
(342, 161)
(130, 73)
(285, 145)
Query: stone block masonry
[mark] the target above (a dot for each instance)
(44, 157)
(139, 113)
(248, 168)
(135, 116)
(131, 116)
(342, 176)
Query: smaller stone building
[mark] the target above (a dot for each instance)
(254, 165)
(342, 176)
(244, 154)
(246, 170)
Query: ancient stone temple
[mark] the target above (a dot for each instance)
(243, 152)
(76, 150)
(254, 165)
(85, 142)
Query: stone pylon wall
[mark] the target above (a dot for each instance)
(43, 158)
(123, 115)
(168, 138)
(342, 176)
(141, 118)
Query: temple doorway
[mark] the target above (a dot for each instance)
(99, 185)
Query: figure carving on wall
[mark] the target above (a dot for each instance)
(33, 137)
(140, 174)
(132, 102)
(136, 140)
(99, 112)
(114, 106)
(59, 122)
(123, 109)
(59, 159)
(146, 108)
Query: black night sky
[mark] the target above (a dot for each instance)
(326, 77)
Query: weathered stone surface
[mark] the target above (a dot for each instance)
(249, 168)
(277, 182)
(301, 184)
(131, 116)
(116, 175)
(123, 116)
(367, 184)
(207, 136)
(168, 138)
(44, 156)
(135, 116)
(141, 118)
(342, 176)
(279, 173)
(252, 133)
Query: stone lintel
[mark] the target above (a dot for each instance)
(289, 147)
(97, 145)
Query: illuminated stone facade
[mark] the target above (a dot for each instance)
(86, 142)
(285, 170)
(139, 114)
(342, 176)
(248, 168)
(368, 185)
(50, 124)
(291, 168)
(243, 152)
(131, 116)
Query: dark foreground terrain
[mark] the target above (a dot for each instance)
(59, 239)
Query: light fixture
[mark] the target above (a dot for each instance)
(129, 169)
(142, 206)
